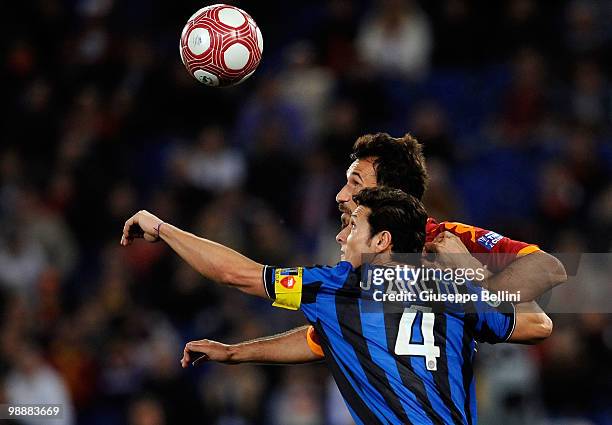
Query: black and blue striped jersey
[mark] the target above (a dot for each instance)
(394, 364)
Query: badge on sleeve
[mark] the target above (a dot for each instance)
(489, 240)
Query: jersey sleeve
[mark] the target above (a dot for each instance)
(293, 287)
(492, 249)
(495, 326)
(493, 321)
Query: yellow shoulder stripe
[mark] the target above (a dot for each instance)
(527, 250)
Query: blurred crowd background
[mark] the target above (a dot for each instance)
(511, 99)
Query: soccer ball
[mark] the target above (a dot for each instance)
(221, 45)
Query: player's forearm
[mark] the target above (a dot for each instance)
(287, 348)
(532, 324)
(532, 275)
(215, 261)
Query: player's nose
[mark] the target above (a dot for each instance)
(344, 195)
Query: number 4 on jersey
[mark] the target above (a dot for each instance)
(427, 349)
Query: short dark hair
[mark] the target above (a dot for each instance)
(399, 162)
(402, 215)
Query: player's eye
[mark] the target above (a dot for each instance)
(354, 182)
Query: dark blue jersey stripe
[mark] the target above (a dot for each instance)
(431, 391)
(355, 401)
(378, 329)
(442, 373)
(349, 318)
(344, 362)
(425, 413)
(467, 371)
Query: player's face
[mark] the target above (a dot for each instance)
(360, 174)
(358, 241)
(344, 232)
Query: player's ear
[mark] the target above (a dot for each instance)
(383, 241)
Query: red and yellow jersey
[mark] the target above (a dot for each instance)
(500, 250)
(492, 249)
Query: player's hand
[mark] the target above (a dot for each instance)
(143, 224)
(196, 352)
(449, 252)
(446, 242)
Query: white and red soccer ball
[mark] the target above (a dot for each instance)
(221, 45)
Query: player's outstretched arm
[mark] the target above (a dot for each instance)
(532, 324)
(289, 347)
(213, 260)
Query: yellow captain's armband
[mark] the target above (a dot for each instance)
(288, 287)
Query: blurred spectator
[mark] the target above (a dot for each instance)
(271, 240)
(81, 127)
(456, 33)
(210, 164)
(146, 411)
(510, 396)
(560, 193)
(297, 403)
(307, 85)
(583, 160)
(224, 220)
(317, 185)
(601, 216)
(526, 98)
(49, 229)
(22, 260)
(336, 413)
(525, 25)
(429, 125)
(73, 353)
(443, 203)
(585, 34)
(11, 173)
(234, 394)
(590, 98)
(32, 381)
(270, 121)
(340, 131)
(397, 39)
(272, 166)
(334, 35)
